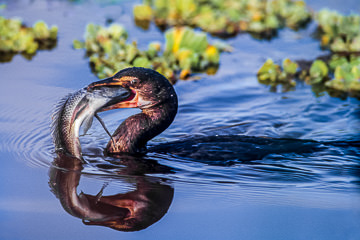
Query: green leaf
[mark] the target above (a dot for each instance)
(41, 30)
(142, 12)
(318, 71)
(269, 71)
(338, 45)
(117, 31)
(78, 44)
(289, 66)
(142, 62)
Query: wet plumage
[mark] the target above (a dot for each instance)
(154, 95)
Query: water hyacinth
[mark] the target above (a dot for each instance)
(346, 77)
(338, 75)
(269, 72)
(143, 15)
(185, 51)
(272, 74)
(226, 17)
(318, 72)
(339, 33)
(15, 37)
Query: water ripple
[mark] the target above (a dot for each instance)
(214, 151)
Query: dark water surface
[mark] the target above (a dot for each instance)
(257, 165)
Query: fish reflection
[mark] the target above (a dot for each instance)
(131, 211)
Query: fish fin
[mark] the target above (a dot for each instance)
(87, 123)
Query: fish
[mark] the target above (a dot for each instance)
(78, 109)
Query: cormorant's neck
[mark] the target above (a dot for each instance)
(133, 134)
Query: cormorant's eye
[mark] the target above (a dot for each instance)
(134, 81)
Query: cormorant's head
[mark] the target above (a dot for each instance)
(147, 88)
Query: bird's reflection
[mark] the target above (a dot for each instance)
(131, 211)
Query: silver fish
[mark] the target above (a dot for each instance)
(78, 109)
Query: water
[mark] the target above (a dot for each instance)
(232, 183)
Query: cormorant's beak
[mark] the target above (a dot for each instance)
(111, 81)
(123, 82)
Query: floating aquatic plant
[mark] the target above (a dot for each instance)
(225, 17)
(346, 78)
(143, 15)
(15, 37)
(339, 33)
(185, 51)
(339, 75)
(318, 72)
(273, 74)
